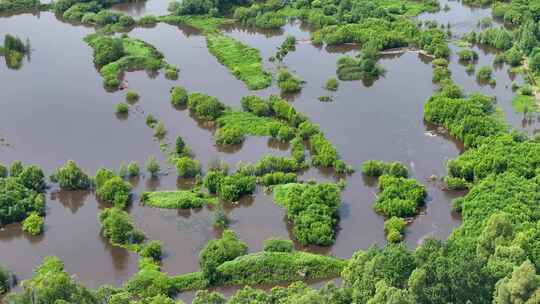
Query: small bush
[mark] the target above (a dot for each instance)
(122, 108)
(179, 96)
(171, 72)
(467, 55)
(133, 169)
(71, 177)
(277, 178)
(187, 167)
(393, 228)
(151, 121)
(376, 168)
(152, 250)
(332, 84)
(33, 224)
(132, 96)
(288, 83)
(152, 166)
(484, 73)
(160, 132)
(278, 245)
(229, 136)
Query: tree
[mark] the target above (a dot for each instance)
(218, 251)
(32, 177)
(33, 224)
(523, 286)
(180, 146)
(152, 166)
(187, 167)
(118, 227)
(17, 202)
(71, 177)
(5, 280)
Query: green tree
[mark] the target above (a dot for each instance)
(523, 286)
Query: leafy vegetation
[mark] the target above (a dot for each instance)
(244, 62)
(17, 202)
(180, 199)
(14, 49)
(399, 197)
(312, 209)
(111, 188)
(376, 168)
(119, 228)
(33, 224)
(288, 83)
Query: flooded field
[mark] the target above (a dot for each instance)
(55, 108)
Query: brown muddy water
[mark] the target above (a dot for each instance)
(55, 108)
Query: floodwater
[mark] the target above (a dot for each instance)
(55, 108)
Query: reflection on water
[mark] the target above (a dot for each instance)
(72, 117)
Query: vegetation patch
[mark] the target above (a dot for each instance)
(244, 62)
(399, 197)
(180, 199)
(13, 50)
(313, 210)
(248, 123)
(115, 56)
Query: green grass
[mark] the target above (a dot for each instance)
(181, 199)
(247, 122)
(189, 281)
(244, 62)
(524, 104)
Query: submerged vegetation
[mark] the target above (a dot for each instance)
(13, 50)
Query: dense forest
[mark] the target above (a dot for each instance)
(493, 256)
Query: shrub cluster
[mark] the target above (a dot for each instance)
(180, 199)
(119, 228)
(229, 187)
(313, 210)
(399, 197)
(376, 168)
(111, 188)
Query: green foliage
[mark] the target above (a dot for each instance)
(288, 83)
(171, 72)
(71, 177)
(255, 105)
(5, 280)
(187, 167)
(277, 178)
(122, 108)
(394, 264)
(14, 6)
(467, 55)
(324, 154)
(496, 37)
(218, 251)
(288, 45)
(114, 56)
(470, 119)
(332, 84)
(365, 67)
(272, 267)
(147, 21)
(151, 121)
(524, 104)
(152, 166)
(232, 187)
(179, 96)
(133, 169)
(149, 282)
(33, 224)
(17, 202)
(269, 164)
(400, 197)
(522, 287)
(152, 250)
(244, 62)
(394, 228)
(484, 73)
(159, 131)
(248, 123)
(376, 168)
(132, 97)
(278, 245)
(179, 199)
(207, 297)
(229, 136)
(16, 168)
(32, 177)
(220, 218)
(51, 284)
(4, 171)
(112, 188)
(205, 107)
(119, 228)
(313, 210)
(180, 146)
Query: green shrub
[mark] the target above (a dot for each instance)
(4, 171)
(16, 168)
(455, 183)
(179, 96)
(484, 73)
(229, 136)
(212, 180)
(114, 190)
(232, 187)
(288, 83)
(133, 169)
(270, 164)
(255, 105)
(467, 55)
(119, 228)
(313, 210)
(71, 177)
(218, 251)
(5, 280)
(171, 72)
(152, 250)
(324, 153)
(394, 228)
(332, 84)
(32, 177)
(132, 96)
(307, 129)
(278, 245)
(159, 131)
(277, 178)
(33, 224)
(400, 197)
(151, 121)
(179, 199)
(205, 107)
(148, 21)
(152, 166)
(122, 108)
(220, 218)
(187, 167)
